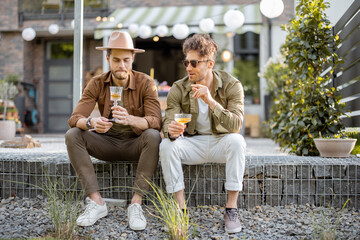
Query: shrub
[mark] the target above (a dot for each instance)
(305, 105)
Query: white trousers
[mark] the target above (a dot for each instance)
(199, 149)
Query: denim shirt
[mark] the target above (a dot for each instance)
(228, 114)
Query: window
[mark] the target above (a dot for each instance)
(60, 50)
(246, 64)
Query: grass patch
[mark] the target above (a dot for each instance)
(325, 228)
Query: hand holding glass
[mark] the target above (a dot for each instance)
(115, 95)
(182, 118)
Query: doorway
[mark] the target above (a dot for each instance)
(58, 73)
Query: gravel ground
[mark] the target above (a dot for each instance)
(25, 218)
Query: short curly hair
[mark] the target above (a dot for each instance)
(203, 44)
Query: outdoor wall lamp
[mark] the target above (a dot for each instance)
(226, 56)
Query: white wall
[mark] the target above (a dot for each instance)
(337, 9)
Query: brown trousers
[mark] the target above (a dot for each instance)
(143, 149)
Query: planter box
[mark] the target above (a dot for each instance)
(334, 147)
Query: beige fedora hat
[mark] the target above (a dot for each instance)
(120, 40)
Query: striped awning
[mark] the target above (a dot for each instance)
(169, 16)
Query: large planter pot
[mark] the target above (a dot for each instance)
(7, 130)
(334, 147)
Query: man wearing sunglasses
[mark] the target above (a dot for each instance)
(215, 100)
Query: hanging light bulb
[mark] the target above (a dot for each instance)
(234, 19)
(155, 38)
(161, 30)
(145, 31)
(53, 28)
(28, 34)
(133, 28)
(207, 25)
(271, 8)
(180, 31)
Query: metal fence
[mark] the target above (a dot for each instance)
(347, 75)
(275, 180)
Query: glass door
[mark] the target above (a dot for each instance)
(58, 86)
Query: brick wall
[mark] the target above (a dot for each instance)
(9, 15)
(11, 57)
(92, 57)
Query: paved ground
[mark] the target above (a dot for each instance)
(56, 143)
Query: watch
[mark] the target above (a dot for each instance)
(171, 137)
(88, 123)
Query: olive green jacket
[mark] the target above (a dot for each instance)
(228, 114)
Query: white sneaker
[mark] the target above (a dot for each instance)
(136, 217)
(92, 213)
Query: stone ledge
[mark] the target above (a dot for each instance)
(272, 180)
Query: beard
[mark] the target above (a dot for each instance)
(123, 75)
(197, 78)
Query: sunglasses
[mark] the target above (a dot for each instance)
(193, 63)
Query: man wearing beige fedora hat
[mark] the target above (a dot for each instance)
(126, 132)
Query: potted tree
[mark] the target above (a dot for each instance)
(8, 90)
(304, 101)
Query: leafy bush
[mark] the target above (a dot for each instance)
(8, 90)
(353, 133)
(304, 105)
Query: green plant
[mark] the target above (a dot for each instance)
(176, 221)
(324, 228)
(276, 73)
(8, 90)
(63, 203)
(246, 72)
(354, 133)
(64, 206)
(305, 105)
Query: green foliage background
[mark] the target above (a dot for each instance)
(303, 103)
